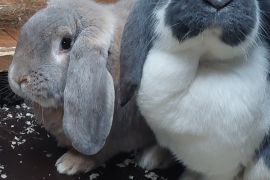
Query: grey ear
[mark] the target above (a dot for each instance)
(137, 40)
(88, 97)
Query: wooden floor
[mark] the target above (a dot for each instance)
(8, 40)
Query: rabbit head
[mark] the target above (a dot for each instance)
(61, 60)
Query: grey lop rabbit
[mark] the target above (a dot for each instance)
(67, 62)
(200, 69)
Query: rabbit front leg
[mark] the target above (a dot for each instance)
(52, 120)
(74, 162)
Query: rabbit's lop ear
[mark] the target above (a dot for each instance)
(89, 94)
(136, 42)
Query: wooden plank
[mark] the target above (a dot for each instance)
(7, 43)
(4, 51)
(5, 62)
(14, 33)
(6, 40)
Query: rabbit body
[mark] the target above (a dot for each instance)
(67, 63)
(203, 88)
(212, 122)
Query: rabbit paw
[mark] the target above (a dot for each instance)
(155, 157)
(74, 162)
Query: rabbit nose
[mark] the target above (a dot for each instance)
(24, 80)
(218, 4)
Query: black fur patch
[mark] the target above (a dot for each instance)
(189, 18)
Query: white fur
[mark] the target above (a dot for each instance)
(62, 169)
(155, 157)
(148, 160)
(58, 57)
(71, 164)
(69, 170)
(206, 101)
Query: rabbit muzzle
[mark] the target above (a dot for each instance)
(237, 19)
(218, 4)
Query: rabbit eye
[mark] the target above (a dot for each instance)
(66, 43)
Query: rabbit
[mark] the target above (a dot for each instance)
(200, 73)
(67, 63)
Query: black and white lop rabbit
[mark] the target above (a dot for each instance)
(67, 63)
(201, 68)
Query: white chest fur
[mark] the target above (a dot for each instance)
(210, 114)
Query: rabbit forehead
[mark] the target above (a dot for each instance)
(188, 19)
(49, 21)
(41, 30)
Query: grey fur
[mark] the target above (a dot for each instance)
(92, 89)
(139, 26)
(79, 85)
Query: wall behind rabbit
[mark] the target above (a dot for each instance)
(16, 12)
